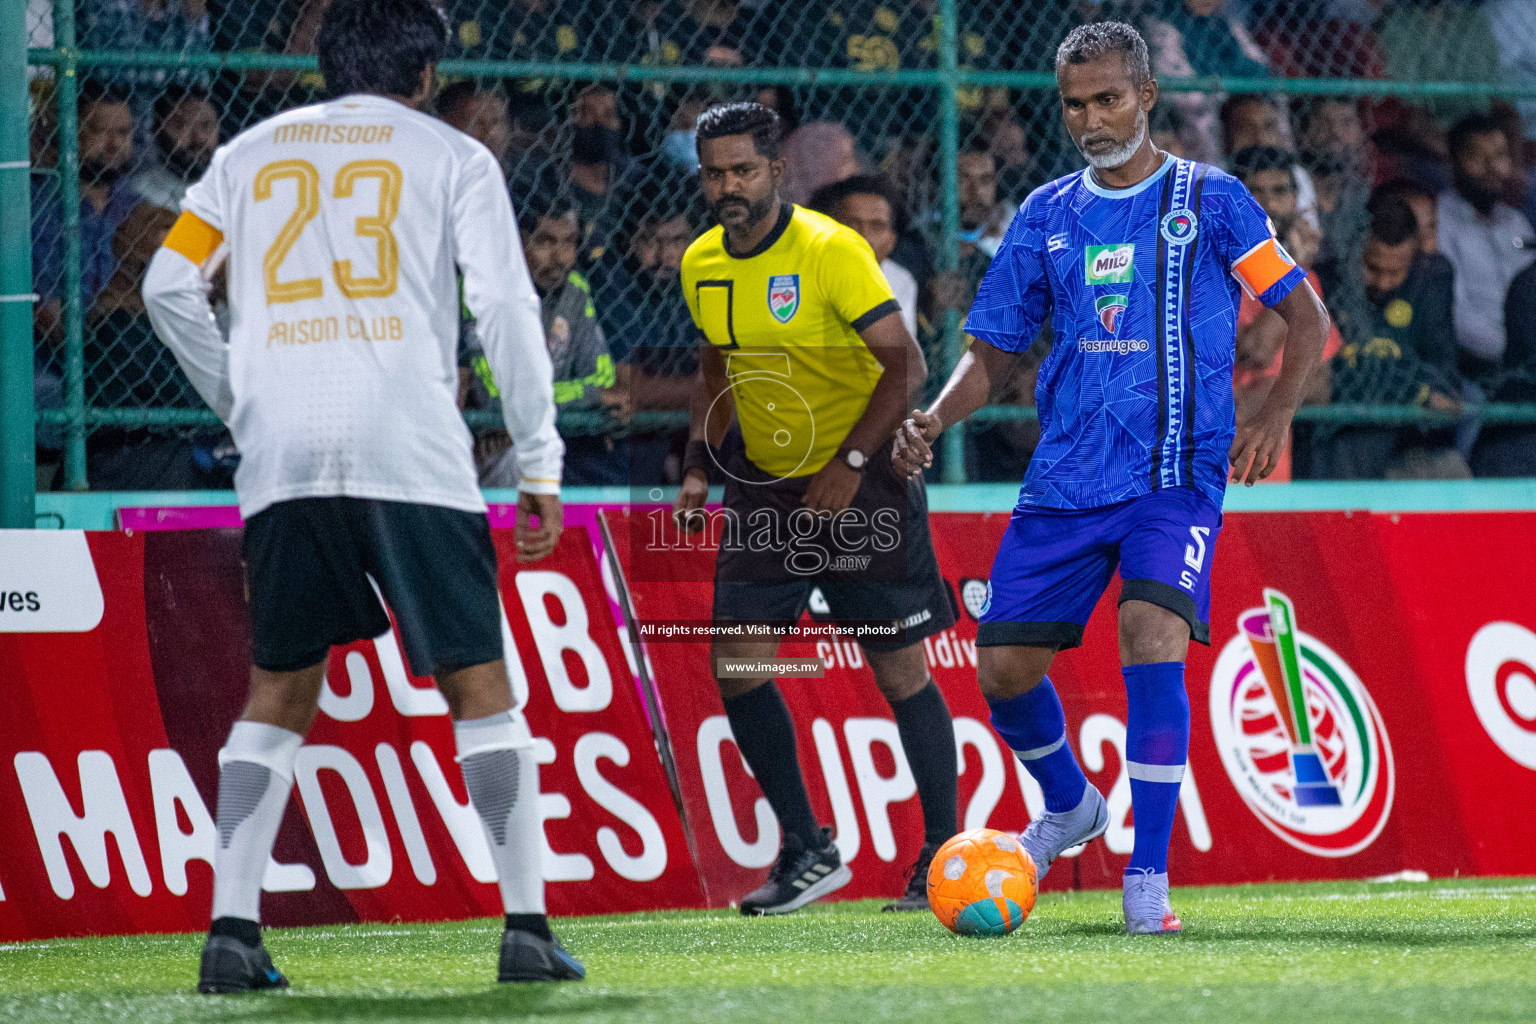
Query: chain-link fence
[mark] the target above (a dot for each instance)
(1335, 112)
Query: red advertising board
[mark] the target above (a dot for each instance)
(1396, 620)
(1464, 590)
(1394, 653)
(114, 716)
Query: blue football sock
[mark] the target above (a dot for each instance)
(1036, 730)
(1156, 749)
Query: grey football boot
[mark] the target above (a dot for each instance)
(1052, 833)
(1147, 910)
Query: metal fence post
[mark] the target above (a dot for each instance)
(949, 195)
(18, 473)
(67, 91)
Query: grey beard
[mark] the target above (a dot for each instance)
(1115, 157)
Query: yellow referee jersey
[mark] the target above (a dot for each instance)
(787, 317)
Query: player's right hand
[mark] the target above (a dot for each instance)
(534, 542)
(911, 450)
(689, 506)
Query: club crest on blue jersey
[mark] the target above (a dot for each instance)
(976, 596)
(1179, 227)
(1109, 308)
(784, 296)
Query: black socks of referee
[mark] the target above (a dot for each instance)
(765, 735)
(928, 739)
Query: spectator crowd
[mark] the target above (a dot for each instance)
(1413, 220)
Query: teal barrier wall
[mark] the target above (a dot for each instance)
(96, 510)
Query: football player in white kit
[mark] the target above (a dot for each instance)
(344, 225)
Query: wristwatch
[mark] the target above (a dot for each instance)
(855, 459)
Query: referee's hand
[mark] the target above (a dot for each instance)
(911, 452)
(833, 487)
(534, 542)
(687, 510)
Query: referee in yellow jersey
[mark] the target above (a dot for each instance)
(802, 340)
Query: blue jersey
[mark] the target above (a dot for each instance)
(1141, 286)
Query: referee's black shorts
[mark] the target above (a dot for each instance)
(867, 573)
(308, 567)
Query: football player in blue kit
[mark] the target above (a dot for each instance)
(1137, 262)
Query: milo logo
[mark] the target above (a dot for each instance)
(1110, 264)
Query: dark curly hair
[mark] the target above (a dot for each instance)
(379, 46)
(752, 119)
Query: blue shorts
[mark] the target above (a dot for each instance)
(1053, 565)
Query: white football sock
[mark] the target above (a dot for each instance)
(255, 775)
(502, 778)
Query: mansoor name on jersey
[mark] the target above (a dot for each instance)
(1299, 735)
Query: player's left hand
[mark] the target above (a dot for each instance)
(1259, 442)
(534, 542)
(833, 487)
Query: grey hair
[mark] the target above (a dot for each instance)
(1090, 42)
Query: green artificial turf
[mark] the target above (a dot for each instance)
(1462, 951)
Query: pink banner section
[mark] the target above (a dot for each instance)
(204, 517)
(179, 517)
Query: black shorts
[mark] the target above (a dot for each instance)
(308, 567)
(885, 573)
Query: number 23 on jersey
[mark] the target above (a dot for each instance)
(306, 180)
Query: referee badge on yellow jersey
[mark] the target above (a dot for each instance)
(784, 296)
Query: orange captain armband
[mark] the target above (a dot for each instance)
(1259, 268)
(194, 238)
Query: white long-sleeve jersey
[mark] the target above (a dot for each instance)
(344, 223)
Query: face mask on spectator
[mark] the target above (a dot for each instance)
(681, 149)
(594, 144)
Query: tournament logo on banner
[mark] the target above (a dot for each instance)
(1299, 735)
